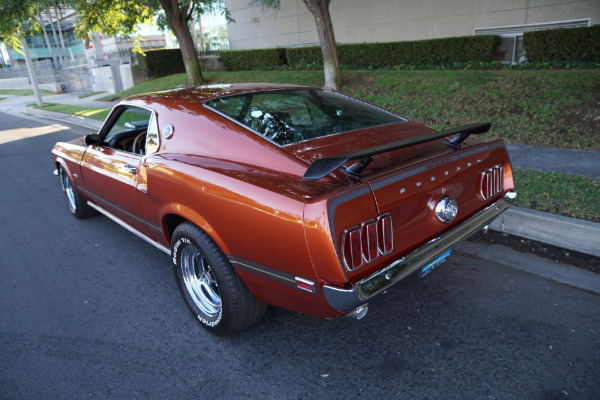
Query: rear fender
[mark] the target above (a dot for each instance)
(188, 214)
(325, 222)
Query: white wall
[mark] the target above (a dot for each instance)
(358, 21)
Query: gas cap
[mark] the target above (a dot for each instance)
(446, 209)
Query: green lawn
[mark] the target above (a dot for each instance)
(22, 92)
(95, 113)
(545, 108)
(564, 194)
(537, 107)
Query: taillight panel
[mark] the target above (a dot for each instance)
(364, 244)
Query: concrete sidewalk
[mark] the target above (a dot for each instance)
(554, 159)
(569, 233)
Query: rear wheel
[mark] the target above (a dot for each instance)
(211, 288)
(77, 205)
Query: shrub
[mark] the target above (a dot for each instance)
(576, 44)
(385, 55)
(252, 60)
(161, 62)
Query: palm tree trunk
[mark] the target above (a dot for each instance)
(54, 32)
(39, 14)
(62, 42)
(202, 48)
(194, 34)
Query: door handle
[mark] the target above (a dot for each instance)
(131, 169)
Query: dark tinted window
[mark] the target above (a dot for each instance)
(290, 116)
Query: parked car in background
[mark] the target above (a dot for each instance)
(283, 195)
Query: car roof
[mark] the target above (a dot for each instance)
(197, 95)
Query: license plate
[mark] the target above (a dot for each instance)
(426, 269)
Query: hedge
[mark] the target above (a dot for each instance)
(161, 62)
(385, 55)
(252, 60)
(576, 44)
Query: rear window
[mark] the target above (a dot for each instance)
(295, 115)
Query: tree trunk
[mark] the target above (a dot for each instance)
(331, 62)
(177, 18)
(62, 42)
(32, 76)
(39, 14)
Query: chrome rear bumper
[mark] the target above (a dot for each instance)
(349, 299)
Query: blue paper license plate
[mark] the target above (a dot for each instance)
(426, 269)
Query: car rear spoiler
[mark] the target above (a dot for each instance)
(324, 166)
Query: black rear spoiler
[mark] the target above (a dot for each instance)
(324, 166)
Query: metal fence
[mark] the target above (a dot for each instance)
(72, 74)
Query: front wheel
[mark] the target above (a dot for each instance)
(77, 205)
(211, 288)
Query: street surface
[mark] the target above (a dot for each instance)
(88, 310)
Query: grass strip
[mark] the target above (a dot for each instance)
(2, 98)
(90, 112)
(564, 194)
(83, 96)
(167, 82)
(22, 92)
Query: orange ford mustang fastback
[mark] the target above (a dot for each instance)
(285, 195)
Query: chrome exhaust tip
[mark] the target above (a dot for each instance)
(359, 313)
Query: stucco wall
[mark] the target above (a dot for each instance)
(357, 21)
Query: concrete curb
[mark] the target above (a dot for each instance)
(557, 230)
(565, 274)
(85, 122)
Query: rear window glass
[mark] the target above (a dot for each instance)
(291, 116)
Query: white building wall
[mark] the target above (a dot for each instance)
(358, 21)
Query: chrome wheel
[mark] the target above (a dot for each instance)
(200, 281)
(69, 191)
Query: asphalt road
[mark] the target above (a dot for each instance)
(87, 310)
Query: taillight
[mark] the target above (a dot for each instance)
(384, 233)
(352, 249)
(491, 182)
(365, 244)
(368, 235)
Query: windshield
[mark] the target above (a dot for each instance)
(294, 115)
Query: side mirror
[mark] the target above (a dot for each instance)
(92, 138)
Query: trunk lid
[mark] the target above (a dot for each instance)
(407, 184)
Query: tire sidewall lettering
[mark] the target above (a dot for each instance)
(178, 244)
(208, 323)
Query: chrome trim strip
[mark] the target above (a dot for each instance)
(129, 227)
(349, 299)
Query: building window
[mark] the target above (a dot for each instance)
(511, 37)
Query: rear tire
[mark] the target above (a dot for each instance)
(77, 205)
(211, 288)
